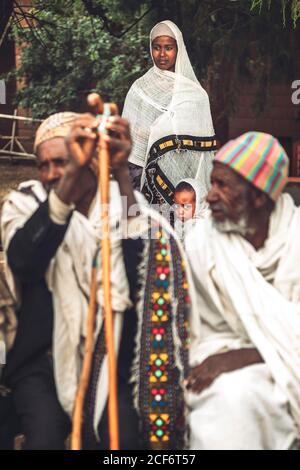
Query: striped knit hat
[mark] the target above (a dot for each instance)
(260, 159)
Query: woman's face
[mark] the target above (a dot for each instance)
(164, 53)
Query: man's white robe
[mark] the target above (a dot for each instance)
(68, 277)
(247, 298)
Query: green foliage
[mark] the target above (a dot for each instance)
(288, 7)
(80, 46)
(71, 55)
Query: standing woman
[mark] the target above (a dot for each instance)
(171, 124)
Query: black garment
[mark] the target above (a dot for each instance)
(135, 172)
(132, 250)
(129, 423)
(9, 425)
(43, 421)
(28, 371)
(29, 254)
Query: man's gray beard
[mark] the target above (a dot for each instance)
(241, 227)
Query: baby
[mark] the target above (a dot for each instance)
(189, 205)
(184, 201)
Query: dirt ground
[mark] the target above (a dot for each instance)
(12, 174)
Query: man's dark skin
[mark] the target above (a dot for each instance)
(232, 197)
(164, 52)
(65, 164)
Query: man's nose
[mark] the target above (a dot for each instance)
(212, 195)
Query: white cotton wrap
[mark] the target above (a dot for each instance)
(162, 103)
(249, 298)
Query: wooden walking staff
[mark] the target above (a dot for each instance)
(86, 366)
(105, 110)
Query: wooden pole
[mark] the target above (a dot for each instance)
(104, 165)
(76, 443)
(96, 103)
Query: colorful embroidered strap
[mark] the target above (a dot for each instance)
(164, 314)
(161, 402)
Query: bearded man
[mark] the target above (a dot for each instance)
(244, 385)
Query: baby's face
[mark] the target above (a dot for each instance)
(185, 204)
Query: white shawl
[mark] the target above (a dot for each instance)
(263, 289)
(162, 103)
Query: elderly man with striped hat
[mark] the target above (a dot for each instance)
(244, 386)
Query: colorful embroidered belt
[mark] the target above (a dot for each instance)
(163, 359)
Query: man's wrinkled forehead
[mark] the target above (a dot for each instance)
(52, 148)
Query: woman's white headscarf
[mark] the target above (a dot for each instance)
(183, 65)
(162, 103)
